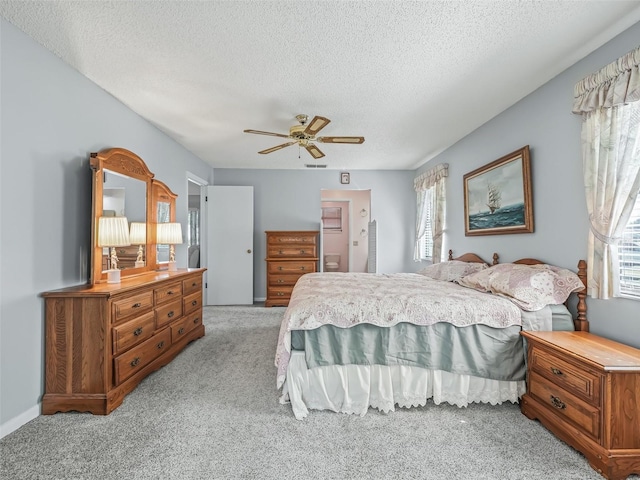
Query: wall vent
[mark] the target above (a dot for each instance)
(311, 165)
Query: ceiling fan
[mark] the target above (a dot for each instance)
(305, 134)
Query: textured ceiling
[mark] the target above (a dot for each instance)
(411, 77)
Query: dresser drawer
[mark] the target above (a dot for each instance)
(134, 305)
(292, 238)
(140, 356)
(168, 313)
(571, 378)
(280, 292)
(167, 293)
(192, 285)
(184, 326)
(297, 251)
(192, 302)
(133, 332)
(569, 407)
(294, 266)
(276, 280)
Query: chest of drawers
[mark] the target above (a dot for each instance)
(290, 254)
(102, 340)
(586, 390)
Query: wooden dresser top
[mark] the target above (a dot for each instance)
(600, 352)
(128, 283)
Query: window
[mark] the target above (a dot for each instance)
(426, 242)
(332, 219)
(629, 255)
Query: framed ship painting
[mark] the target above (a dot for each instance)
(497, 196)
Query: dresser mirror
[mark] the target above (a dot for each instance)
(163, 210)
(124, 188)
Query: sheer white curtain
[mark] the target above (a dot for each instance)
(609, 102)
(434, 181)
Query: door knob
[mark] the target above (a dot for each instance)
(249, 251)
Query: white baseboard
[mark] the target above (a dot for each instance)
(16, 422)
(261, 299)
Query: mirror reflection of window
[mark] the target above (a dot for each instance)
(164, 216)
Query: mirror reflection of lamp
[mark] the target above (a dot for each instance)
(113, 232)
(138, 236)
(170, 234)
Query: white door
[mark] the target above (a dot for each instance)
(229, 245)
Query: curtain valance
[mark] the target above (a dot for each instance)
(429, 178)
(615, 84)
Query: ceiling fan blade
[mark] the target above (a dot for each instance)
(314, 151)
(273, 149)
(259, 132)
(340, 139)
(315, 125)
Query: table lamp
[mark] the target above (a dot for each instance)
(170, 234)
(138, 236)
(113, 232)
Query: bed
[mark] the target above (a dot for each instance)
(451, 333)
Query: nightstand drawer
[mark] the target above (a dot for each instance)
(571, 378)
(584, 416)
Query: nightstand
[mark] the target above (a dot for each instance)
(586, 390)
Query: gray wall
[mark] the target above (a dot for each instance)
(543, 120)
(290, 200)
(51, 119)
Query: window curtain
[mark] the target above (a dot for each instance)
(433, 180)
(609, 102)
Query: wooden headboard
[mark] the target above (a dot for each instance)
(580, 322)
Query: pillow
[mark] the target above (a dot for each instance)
(452, 270)
(531, 287)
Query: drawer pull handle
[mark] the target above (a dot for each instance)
(170, 292)
(555, 371)
(194, 303)
(280, 294)
(280, 252)
(136, 305)
(556, 402)
(170, 314)
(137, 331)
(302, 268)
(196, 320)
(160, 345)
(302, 252)
(280, 280)
(194, 284)
(135, 361)
(181, 331)
(279, 268)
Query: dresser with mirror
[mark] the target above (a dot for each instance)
(136, 313)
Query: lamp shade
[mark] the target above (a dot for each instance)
(169, 234)
(113, 232)
(138, 233)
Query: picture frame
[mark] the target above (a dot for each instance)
(497, 196)
(344, 178)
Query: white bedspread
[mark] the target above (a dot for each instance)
(348, 299)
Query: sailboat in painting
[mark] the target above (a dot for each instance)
(494, 198)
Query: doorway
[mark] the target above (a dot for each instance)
(345, 216)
